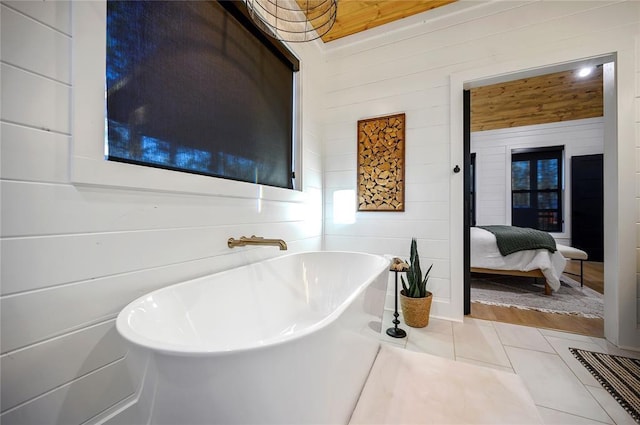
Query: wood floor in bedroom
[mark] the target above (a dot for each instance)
(593, 278)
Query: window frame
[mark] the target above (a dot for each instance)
(534, 155)
(88, 164)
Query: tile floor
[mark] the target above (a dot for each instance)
(562, 389)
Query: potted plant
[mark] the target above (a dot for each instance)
(415, 299)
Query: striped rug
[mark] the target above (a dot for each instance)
(618, 375)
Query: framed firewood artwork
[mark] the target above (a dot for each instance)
(381, 159)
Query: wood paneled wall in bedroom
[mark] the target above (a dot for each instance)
(561, 96)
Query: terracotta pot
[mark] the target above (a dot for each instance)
(416, 310)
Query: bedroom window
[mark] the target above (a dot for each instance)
(193, 86)
(536, 188)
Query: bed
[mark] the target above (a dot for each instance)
(486, 258)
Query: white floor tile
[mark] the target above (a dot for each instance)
(438, 326)
(611, 406)
(555, 417)
(479, 322)
(600, 341)
(479, 342)
(522, 337)
(552, 384)
(561, 347)
(438, 344)
(489, 365)
(609, 348)
(565, 335)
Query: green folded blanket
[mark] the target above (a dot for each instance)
(512, 239)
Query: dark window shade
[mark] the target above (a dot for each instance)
(190, 88)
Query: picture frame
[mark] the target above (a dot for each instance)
(381, 163)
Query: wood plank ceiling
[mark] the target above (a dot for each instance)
(359, 15)
(560, 96)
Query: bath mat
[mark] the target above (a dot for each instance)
(618, 375)
(525, 293)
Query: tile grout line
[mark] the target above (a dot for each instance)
(505, 350)
(557, 353)
(578, 416)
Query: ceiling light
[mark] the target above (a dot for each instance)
(293, 20)
(587, 70)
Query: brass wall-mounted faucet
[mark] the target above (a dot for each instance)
(256, 240)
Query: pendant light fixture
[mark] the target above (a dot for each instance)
(293, 20)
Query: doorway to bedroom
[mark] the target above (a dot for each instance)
(534, 148)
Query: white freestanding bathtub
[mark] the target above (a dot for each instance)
(282, 341)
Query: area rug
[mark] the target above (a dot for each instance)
(618, 375)
(527, 293)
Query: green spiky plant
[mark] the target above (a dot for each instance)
(417, 287)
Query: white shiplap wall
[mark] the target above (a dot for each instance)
(493, 159)
(408, 66)
(73, 255)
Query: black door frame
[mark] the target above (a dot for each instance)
(466, 128)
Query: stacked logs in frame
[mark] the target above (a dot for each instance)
(381, 164)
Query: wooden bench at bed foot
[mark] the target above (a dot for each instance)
(533, 273)
(571, 253)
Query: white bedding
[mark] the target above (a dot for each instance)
(485, 254)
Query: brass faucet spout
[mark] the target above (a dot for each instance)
(256, 240)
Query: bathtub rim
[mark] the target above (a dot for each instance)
(141, 341)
